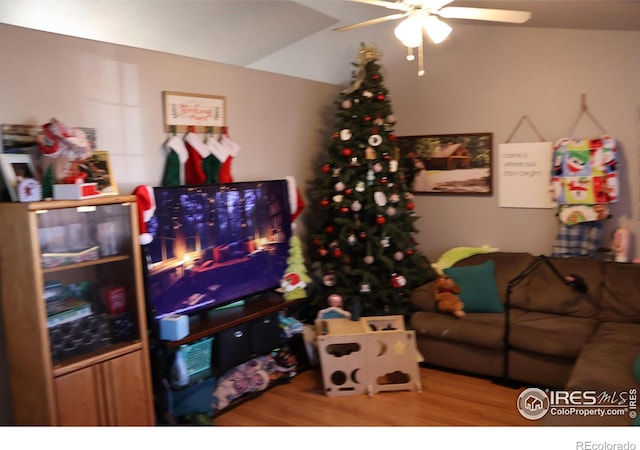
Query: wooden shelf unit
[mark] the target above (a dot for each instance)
(109, 384)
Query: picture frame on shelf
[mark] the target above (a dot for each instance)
(460, 164)
(16, 168)
(98, 170)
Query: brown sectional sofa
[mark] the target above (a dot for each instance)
(559, 338)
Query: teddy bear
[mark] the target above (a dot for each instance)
(446, 295)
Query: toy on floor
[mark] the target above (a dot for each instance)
(334, 311)
(446, 295)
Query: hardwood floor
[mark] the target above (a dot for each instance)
(447, 399)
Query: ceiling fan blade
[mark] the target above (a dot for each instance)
(493, 15)
(371, 22)
(385, 4)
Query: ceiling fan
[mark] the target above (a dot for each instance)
(424, 15)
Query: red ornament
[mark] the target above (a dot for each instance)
(392, 137)
(335, 135)
(326, 168)
(410, 206)
(337, 253)
(384, 180)
(324, 202)
(348, 191)
(317, 242)
(398, 281)
(409, 251)
(380, 220)
(346, 152)
(344, 209)
(367, 118)
(322, 251)
(329, 229)
(375, 76)
(380, 97)
(363, 235)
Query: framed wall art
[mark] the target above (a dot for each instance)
(98, 170)
(183, 112)
(15, 168)
(449, 163)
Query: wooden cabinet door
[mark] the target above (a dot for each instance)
(79, 398)
(127, 391)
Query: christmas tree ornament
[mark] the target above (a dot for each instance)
(329, 229)
(345, 134)
(395, 198)
(346, 152)
(326, 168)
(344, 209)
(348, 191)
(346, 104)
(338, 198)
(363, 235)
(371, 177)
(377, 167)
(360, 187)
(367, 94)
(370, 154)
(336, 172)
(367, 118)
(339, 186)
(324, 202)
(380, 97)
(398, 256)
(390, 119)
(380, 198)
(410, 206)
(356, 206)
(380, 219)
(379, 121)
(317, 242)
(391, 211)
(322, 252)
(354, 161)
(393, 165)
(329, 279)
(409, 251)
(337, 253)
(335, 135)
(365, 288)
(369, 259)
(351, 239)
(398, 281)
(375, 140)
(385, 242)
(384, 180)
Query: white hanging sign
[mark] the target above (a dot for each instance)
(524, 174)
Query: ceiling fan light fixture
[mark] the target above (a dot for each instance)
(436, 29)
(409, 32)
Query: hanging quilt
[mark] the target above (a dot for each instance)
(585, 172)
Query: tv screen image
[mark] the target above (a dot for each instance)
(216, 244)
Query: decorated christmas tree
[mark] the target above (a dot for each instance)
(364, 248)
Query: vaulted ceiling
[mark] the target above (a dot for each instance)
(291, 37)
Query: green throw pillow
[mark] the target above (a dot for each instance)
(478, 289)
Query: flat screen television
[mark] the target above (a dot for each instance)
(216, 244)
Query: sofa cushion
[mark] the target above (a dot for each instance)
(606, 366)
(621, 293)
(549, 334)
(620, 332)
(479, 329)
(547, 292)
(507, 266)
(478, 289)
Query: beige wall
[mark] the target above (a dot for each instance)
(484, 79)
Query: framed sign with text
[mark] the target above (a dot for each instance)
(202, 112)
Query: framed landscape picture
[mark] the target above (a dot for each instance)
(449, 163)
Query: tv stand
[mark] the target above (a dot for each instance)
(249, 316)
